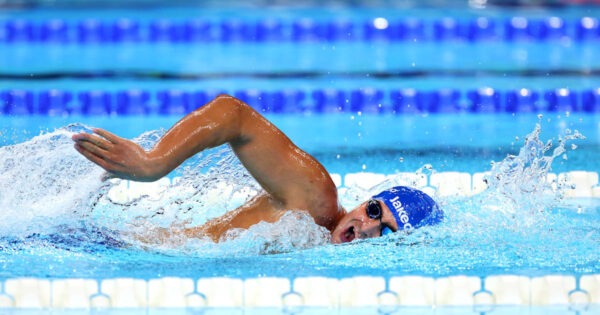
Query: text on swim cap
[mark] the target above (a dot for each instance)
(397, 204)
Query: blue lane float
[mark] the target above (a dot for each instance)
(523, 101)
(591, 101)
(485, 100)
(54, 102)
(289, 101)
(133, 102)
(17, 102)
(562, 100)
(300, 30)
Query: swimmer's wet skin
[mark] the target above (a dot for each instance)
(291, 178)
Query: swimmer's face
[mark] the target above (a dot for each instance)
(357, 224)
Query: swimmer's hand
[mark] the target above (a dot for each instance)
(122, 158)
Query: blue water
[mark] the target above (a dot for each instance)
(87, 240)
(58, 222)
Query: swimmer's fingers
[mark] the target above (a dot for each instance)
(86, 140)
(83, 148)
(95, 145)
(107, 135)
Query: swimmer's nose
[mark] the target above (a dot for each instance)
(369, 229)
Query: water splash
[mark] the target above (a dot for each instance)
(520, 184)
(50, 193)
(88, 230)
(44, 183)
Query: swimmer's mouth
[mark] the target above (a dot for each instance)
(349, 235)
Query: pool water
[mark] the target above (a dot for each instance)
(59, 220)
(90, 234)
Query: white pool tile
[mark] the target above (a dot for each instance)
(414, 290)
(222, 292)
(6, 301)
(451, 183)
(584, 183)
(363, 180)
(170, 292)
(509, 289)
(265, 292)
(126, 292)
(360, 291)
(431, 191)
(73, 293)
(29, 292)
(551, 290)
(499, 293)
(100, 301)
(478, 184)
(407, 179)
(318, 291)
(456, 290)
(591, 284)
(441, 184)
(337, 179)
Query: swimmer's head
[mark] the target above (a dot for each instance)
(394, 209)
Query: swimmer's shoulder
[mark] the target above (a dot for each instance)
(321, 201)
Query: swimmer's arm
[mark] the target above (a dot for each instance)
(293, 178)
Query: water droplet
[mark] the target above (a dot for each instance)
(517, 138)
(401, 159)
(564, 157)
(364, 167)
(573, 146)
(539, 116)
(567, 114)
(338, 156)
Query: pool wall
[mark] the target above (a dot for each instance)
(580, 293)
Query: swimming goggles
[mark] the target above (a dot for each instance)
(375, 212)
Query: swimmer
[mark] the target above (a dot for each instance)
(290, 178)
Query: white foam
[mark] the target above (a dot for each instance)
(44, 183)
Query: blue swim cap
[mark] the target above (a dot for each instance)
(411, 208)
